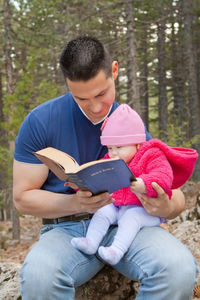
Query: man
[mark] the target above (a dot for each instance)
(71, 123)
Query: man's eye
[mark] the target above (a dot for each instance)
(100, 95)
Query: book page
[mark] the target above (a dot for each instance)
(94, 162)
(68, 163)
(64, 160)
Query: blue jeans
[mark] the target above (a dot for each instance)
(54, 268)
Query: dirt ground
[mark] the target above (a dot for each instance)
(16, 251)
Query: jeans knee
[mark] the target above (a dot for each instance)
(185, 271)
(164, 266)
(41, 278)
(180, 271)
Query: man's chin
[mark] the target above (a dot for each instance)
(96, 119)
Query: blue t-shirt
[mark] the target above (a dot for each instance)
(60, 123)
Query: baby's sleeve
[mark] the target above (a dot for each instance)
(157, 169)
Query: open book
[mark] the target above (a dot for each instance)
(96, 176)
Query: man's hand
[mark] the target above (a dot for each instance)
(160, 206)
(88, 203)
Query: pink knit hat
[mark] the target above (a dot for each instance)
(123, 127)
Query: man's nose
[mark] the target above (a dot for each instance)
(95, 106)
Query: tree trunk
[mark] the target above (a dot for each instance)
(133, 88)
(180, 112)
(162, 95)
(192, 81)
(144, 88)
(2, 172)
(196, 43)
(8, 48)
(10, 89)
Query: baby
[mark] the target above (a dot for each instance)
(150, 161)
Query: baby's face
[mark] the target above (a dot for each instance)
(124, 152)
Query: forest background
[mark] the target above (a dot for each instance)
(157, 45)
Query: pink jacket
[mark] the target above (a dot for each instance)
(155, 161)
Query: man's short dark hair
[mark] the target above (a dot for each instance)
(83, 58)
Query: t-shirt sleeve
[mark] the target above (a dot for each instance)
(32, 137)
(148, 136)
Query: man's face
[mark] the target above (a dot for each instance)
(96, 95)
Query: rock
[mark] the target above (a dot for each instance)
(9, 281)
(189, 234)
(108, 285)
(191, 191)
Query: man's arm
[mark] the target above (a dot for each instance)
(162, 206)
(30, 199)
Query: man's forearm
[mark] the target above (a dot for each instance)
(46, 204)
(177, 204)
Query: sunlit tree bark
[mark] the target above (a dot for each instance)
(10, 89)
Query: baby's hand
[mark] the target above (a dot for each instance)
(138, 186)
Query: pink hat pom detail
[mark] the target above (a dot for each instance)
(123, 127)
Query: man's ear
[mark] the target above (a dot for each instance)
(114, 69)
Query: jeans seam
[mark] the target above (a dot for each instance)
(84, 226)
(81, 264)
(145, 274)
